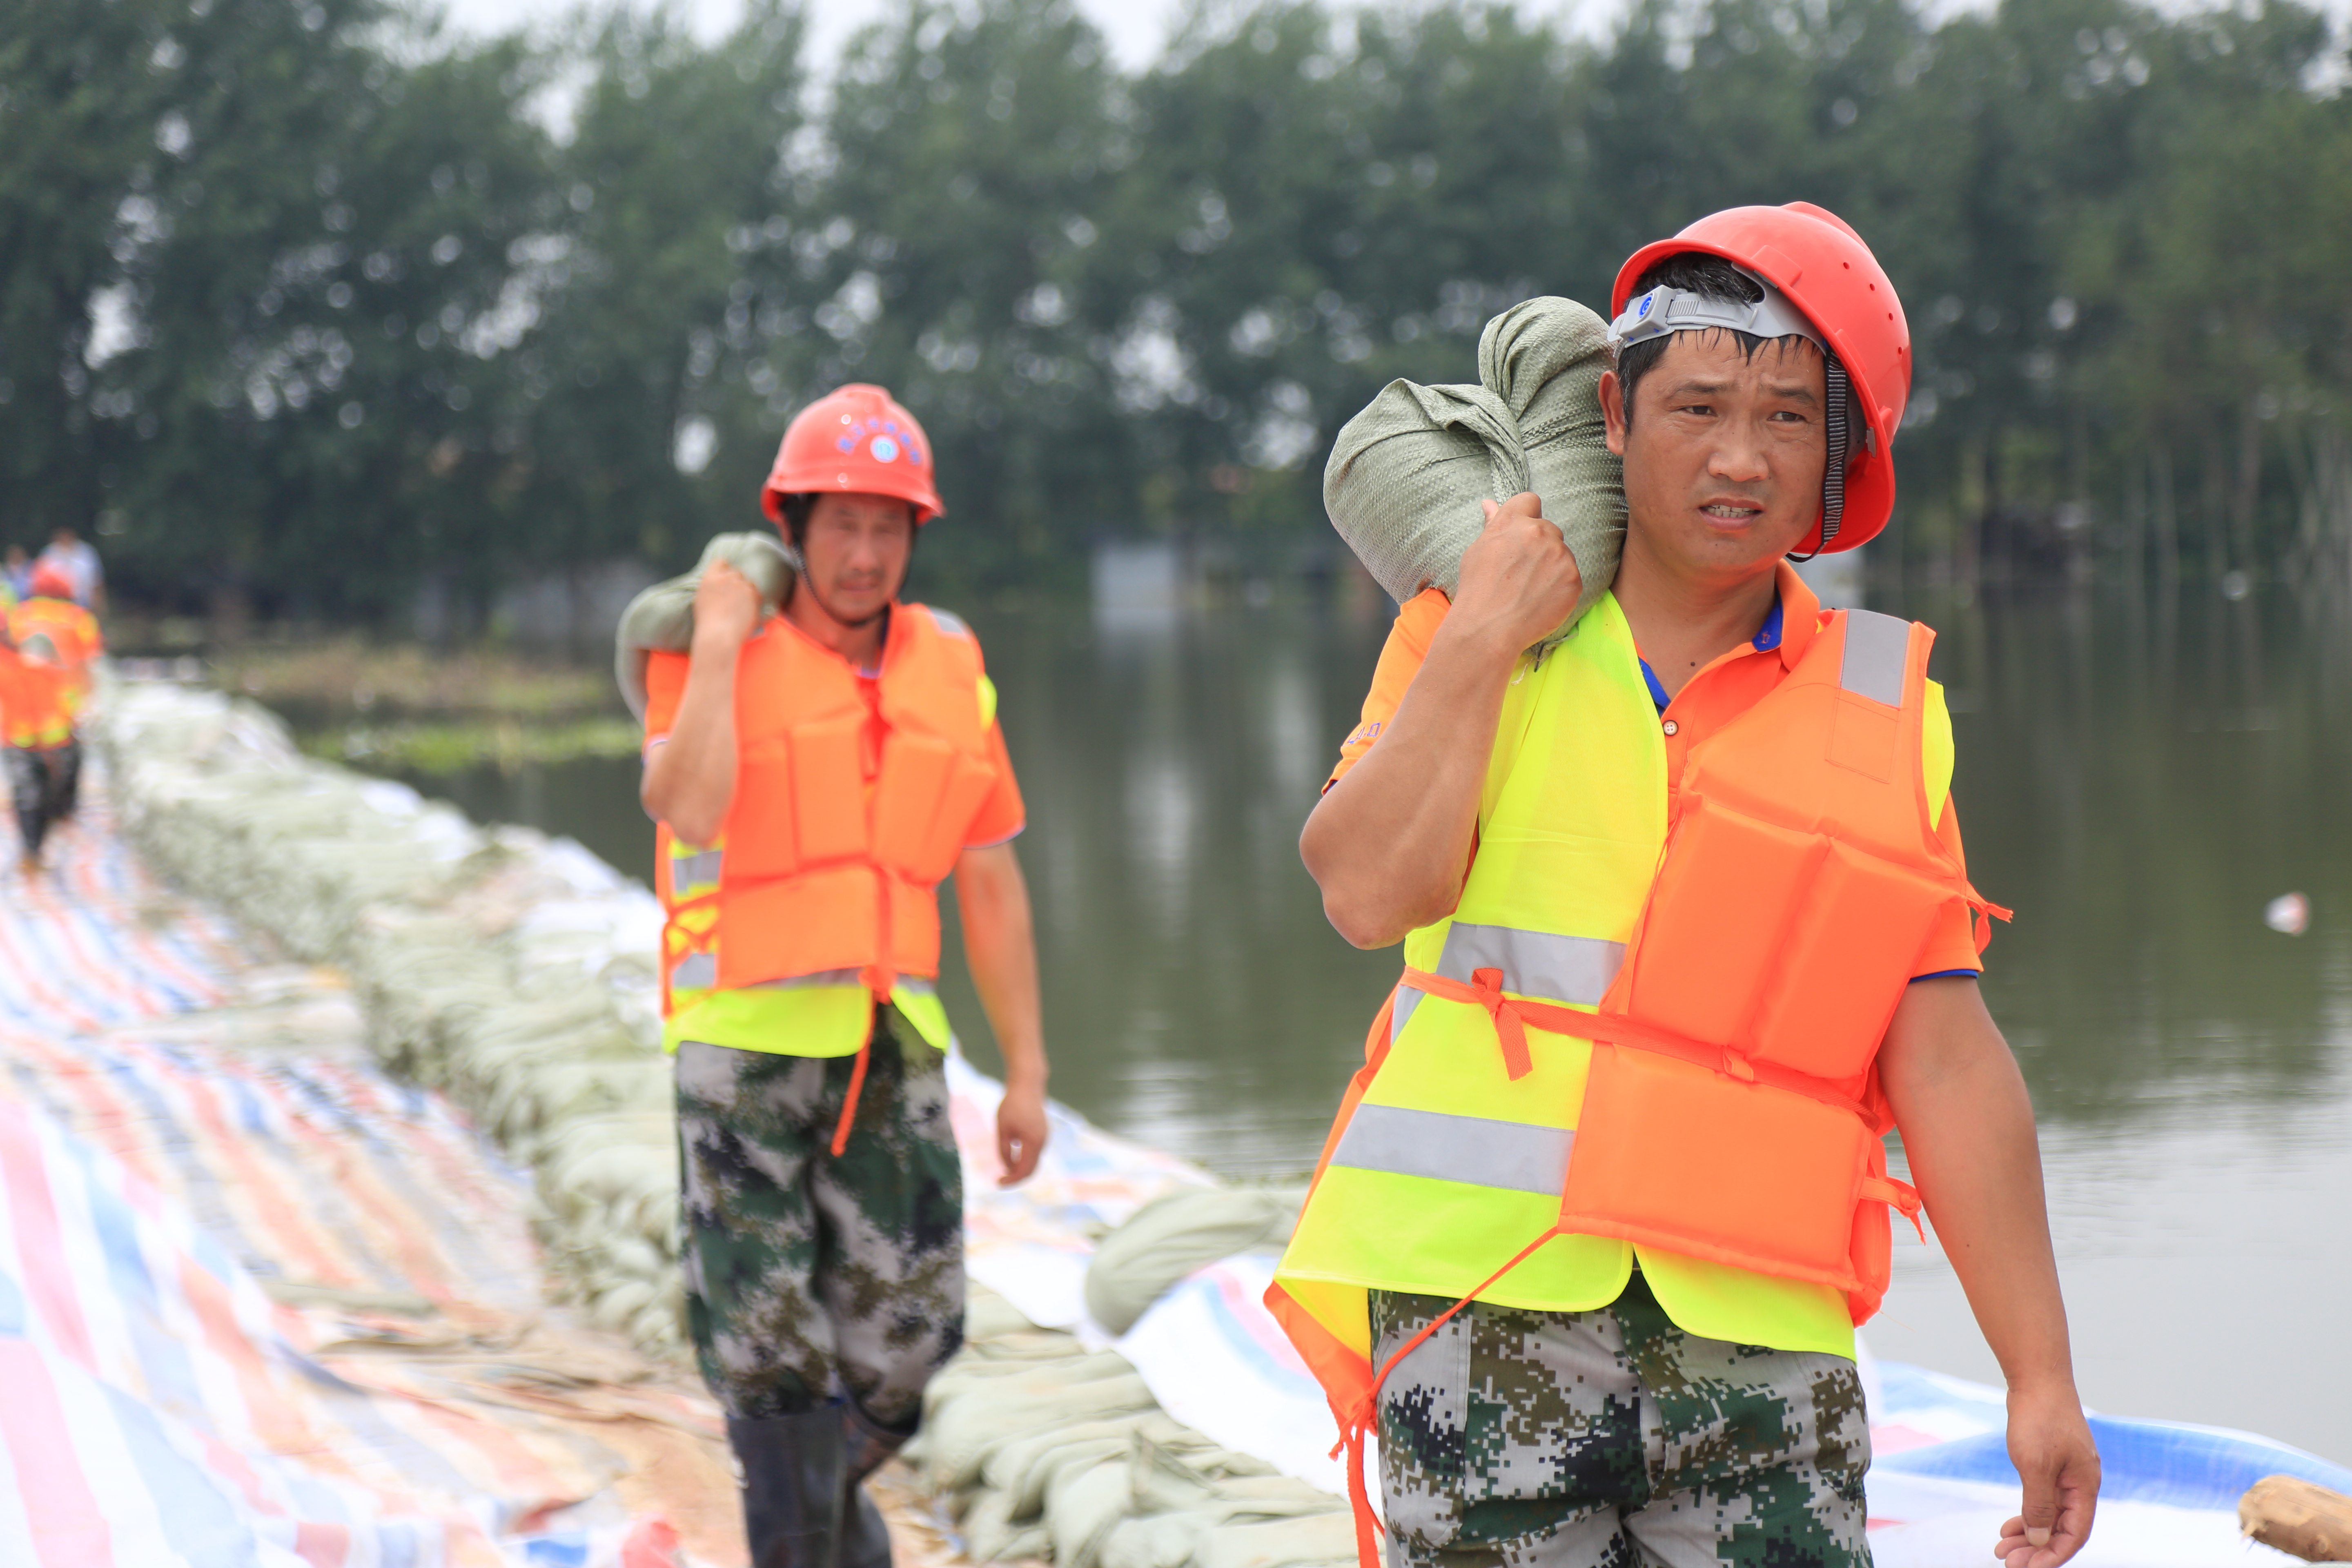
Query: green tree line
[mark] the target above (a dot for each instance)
(306, 305)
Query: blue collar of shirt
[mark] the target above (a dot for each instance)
(1767, 636)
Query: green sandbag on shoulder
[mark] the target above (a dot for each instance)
(1406, 475)
(662, 617)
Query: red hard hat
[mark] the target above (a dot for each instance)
(50, 582)
(854, 438)
(1810, 255)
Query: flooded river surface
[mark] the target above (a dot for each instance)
(2137, 779)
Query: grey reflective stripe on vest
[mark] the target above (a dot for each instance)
(1876, 649)
(696, 870)
(1534, 964)
(695, 972)
(1473, 1150)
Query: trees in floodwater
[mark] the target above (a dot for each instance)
(303, 303)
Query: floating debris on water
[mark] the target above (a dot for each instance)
(2289, 913)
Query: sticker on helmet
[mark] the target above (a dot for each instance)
(884, 450)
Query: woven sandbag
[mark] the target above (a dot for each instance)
(1171, 1236)
(1406, 475)
(662, 617)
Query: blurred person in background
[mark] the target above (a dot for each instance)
(815, 774)
(50, 610)
(15, 575)
(1687, 929)
(38, 746)
(78, 559)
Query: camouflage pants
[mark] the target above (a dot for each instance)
(1613, 1439)
(809, 1278)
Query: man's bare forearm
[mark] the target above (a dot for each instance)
(1968, 1132)
(999, 943)
(1967, 1127)
(690, 780)
(1390, 842)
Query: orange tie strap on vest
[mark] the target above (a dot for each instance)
(857, 1086)
(1899, 1196)
(879, 984)
(1512, 1016)
(678, 942)
(1982, 912)
(1356, 1424)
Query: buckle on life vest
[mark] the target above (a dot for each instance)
(1737, 1065)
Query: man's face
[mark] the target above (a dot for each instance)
(856, 548)
(1724, 453)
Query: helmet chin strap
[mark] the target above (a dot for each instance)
(1838, 426)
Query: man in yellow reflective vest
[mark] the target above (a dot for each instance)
(815, 775)
(1686, 929)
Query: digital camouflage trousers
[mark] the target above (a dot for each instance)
(1613, 1439)
(809, 1278)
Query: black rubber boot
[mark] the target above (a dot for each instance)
(865, 1538)
(792, 1487)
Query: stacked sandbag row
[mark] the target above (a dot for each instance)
(513, 971)
(1044, 1449)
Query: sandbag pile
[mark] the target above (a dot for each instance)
(1044, 1449)
(513, 972)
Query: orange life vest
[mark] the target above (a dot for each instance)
(820, 869)
(35, 703)
(1733, 1110)
(73, 629)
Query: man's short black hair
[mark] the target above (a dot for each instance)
(1693, 272)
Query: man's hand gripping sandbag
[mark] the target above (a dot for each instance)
(1407, 473)
(661, 619)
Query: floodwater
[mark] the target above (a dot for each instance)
(2136, 778)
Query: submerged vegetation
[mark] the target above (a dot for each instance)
(424, 747)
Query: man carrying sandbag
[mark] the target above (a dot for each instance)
(1686, 929)
(816, 773)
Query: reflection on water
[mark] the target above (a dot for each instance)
(2137, 781)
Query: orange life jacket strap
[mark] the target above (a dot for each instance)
(857, 1086)
(881, 981)
(677, 941)
(1358, 1422)
(1897, 1195)
(1512, 1016)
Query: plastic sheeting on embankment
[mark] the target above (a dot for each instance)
(260, 1305)
(514, 971)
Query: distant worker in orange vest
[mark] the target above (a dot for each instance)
(1687, 929)
(42, 754)
(49, 607)
(815, 775)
